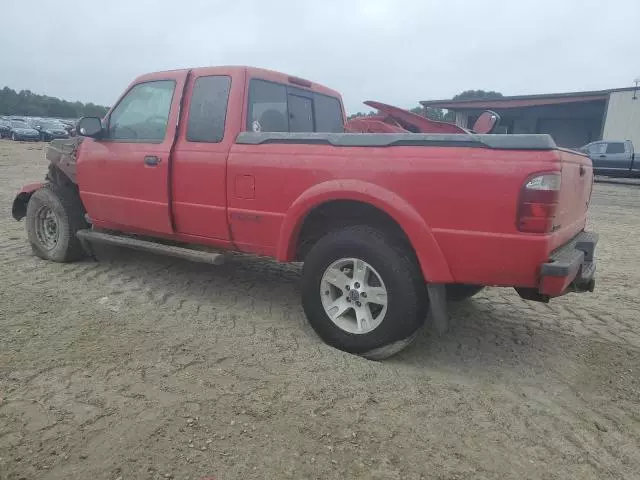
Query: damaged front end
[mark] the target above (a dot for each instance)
(61, 154)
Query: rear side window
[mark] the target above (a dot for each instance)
(208, 109)
(328, 114)
(597, 148)
(280, 108)
(300, 114)
(267, 107)
(615, 147)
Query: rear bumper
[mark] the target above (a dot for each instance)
(571, 268)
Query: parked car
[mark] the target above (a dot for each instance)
(22, 131)
(51, 130)
(32, 121)
(69, 125)
(250, 160)
(5, 128)
(613, 158)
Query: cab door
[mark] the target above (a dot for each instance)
(123, 176)
(618, 156)
(597, 154)
(211, 120)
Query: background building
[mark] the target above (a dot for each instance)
(573, 119)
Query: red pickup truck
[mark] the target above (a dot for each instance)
(389, 225)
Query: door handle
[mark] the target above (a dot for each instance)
(603, 156)
(151, 160)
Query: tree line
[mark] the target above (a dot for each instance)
(438, 114)
(27, 103)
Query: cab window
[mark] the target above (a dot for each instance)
(597, 148)
(143, 113)
(615, 147)
(274, 107)
(208, 109)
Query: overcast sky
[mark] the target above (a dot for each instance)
(393, 51)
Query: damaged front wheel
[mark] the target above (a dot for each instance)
(54, 216)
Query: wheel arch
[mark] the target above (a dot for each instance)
(21, 200)
(55, 175)
(431, 259)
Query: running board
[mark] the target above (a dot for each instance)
(199, 256)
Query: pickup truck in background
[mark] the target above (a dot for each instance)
(613, 159)
(192, 163)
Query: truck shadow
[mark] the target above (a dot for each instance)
(480, 339)
(630, 182)
(490, 330)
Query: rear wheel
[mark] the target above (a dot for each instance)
(363, 292)
(54, 215)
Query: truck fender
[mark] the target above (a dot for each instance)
(432, 262)
(19, 209)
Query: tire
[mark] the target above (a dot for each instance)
(67, 214)
(13, 137)
(461, 291)
(388, 260)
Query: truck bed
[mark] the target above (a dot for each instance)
(465, 188)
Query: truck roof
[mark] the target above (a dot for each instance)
(253, 72)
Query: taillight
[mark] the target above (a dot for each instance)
(538, 203)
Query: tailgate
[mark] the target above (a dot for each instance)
(575, 194)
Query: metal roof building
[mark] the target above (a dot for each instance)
(573, 119)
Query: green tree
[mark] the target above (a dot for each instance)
(477, 95)
(361, 114)
(434, 113)
(27, 103)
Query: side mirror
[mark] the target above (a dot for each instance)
(486, 122)
(90, 127)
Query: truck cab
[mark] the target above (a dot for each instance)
(146, 145)
(612, 158)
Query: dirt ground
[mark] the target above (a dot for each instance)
(143, 367)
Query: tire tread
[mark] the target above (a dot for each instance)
(72, 220)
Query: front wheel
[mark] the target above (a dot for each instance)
(363, 292)
(54, 216)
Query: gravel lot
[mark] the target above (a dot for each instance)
(146, 367)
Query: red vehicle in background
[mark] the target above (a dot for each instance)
(389, 225)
